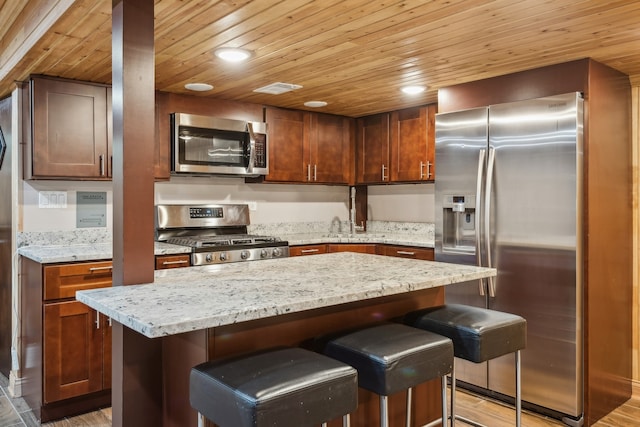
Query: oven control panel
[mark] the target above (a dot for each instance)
(206, 212)
(180, 217)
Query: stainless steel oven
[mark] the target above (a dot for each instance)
(209, 145)
(216, 233)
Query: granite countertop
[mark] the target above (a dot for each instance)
(47, 254)
(52, 253)
(194, 298)
(386, 238)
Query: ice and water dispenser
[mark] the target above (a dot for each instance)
(459, 223)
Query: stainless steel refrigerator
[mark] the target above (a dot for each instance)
(508, 195)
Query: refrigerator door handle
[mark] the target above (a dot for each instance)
(481, 163)
(487, 216)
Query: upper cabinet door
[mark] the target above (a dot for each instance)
(372, 149)
(286, 141)
(70, 137)
(307, 147)
(329, 149)
(412, 144)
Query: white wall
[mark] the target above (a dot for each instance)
(275, 203)
(405, 203)
(40, 219)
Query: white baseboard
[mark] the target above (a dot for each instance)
(15, 384)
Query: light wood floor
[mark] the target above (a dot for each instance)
(480, 409)
(101, 418)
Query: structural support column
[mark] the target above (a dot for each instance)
(137, 384)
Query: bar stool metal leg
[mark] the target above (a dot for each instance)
(346, 421)
(444, 401)
(518, 391)
(453, 394)
(384, 411)
(200, 420)
(408, 411)
(518, 403)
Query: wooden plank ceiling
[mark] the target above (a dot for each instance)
(353, 54)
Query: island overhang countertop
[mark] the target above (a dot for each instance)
(195, 298)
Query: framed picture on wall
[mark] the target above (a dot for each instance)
(3, 147)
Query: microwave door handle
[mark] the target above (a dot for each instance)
(252, 148)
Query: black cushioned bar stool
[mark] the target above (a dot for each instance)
(478, 335)
(392, 357)
(287, 387)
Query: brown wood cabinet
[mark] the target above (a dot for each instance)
(286, 135)
(397, 146)
(74, 335)
(372, 149)
(364, 248)
(328, 159)
(307, 250)
(406, 252)
(369, 248)
(73, 350)
(67, 344)
(172, 261)
(70, 130)
(413, 144)
(307, 147)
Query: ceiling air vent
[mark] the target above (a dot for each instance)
(277, 88)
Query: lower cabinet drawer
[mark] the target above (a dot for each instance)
(407, 252)
(307, 250)
(63, 280)
(364, 248)
(172, 261)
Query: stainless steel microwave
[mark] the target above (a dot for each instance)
(214, 146)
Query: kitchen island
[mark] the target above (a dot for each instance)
(205, 313)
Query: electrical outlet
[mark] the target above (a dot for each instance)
(52, 199)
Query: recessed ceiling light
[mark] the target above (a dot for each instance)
(232, 54)
(198, 87)
(413, 90)
(315, 104)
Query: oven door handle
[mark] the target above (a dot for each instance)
(252, 148)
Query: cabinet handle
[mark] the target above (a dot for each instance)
(92, 269)
(110, 322)
(101, 165)
(429, 174)
(405, 253)
(384, 178)
(309, 251)
(315, 172)
(421, 169)
(309, 172)
(97, 320)
(182, 261)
